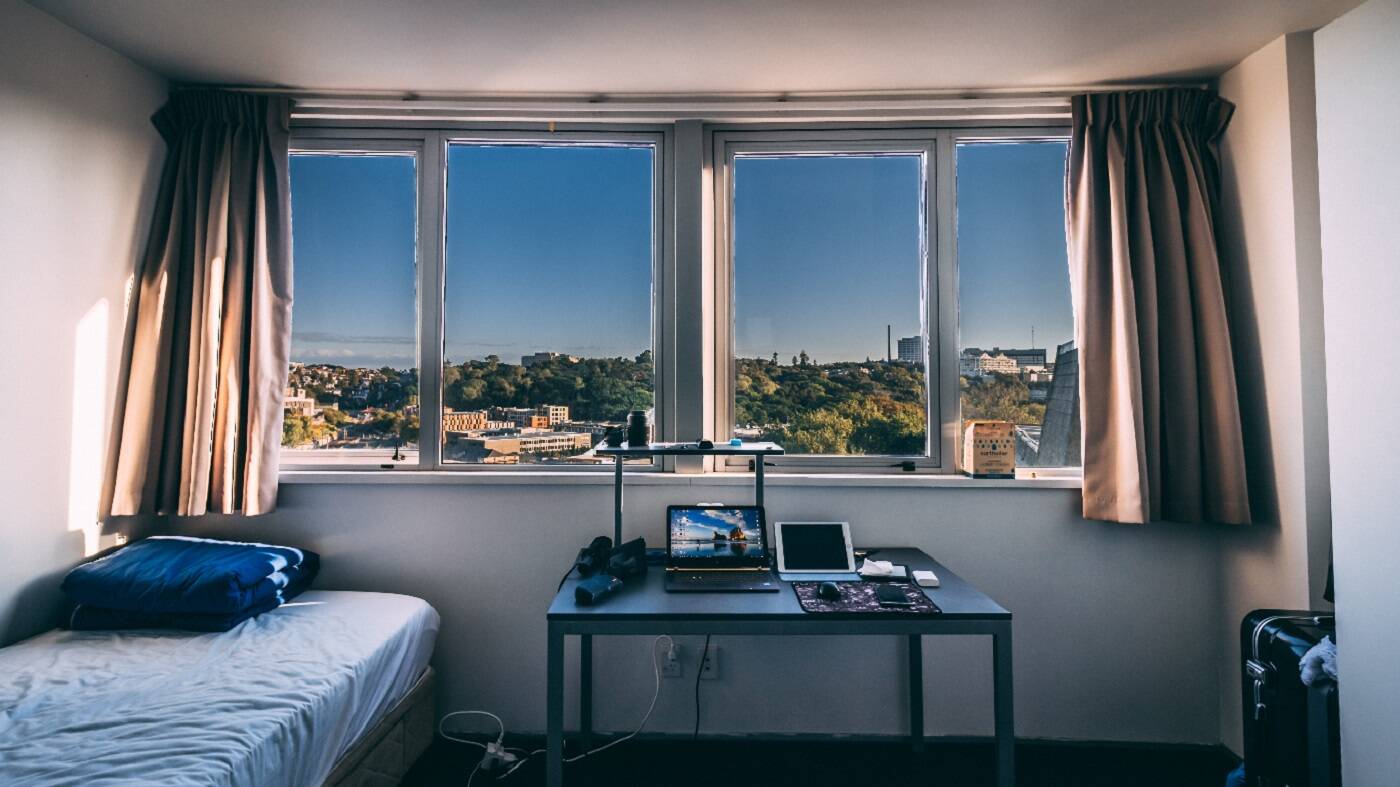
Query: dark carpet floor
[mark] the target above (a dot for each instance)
(768, 763)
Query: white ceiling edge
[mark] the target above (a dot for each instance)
(432, 48)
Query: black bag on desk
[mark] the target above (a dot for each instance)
(1291, 735)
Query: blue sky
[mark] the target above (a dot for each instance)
(1013, 267)
(550, 249)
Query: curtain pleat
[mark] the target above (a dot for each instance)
(1161, 423)
(202, 424)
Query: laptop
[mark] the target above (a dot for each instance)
(717, 549)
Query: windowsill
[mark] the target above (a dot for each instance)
(653, 478)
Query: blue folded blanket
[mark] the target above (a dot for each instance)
(86, 617)
(192, 576)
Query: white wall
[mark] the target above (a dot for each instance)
(1116, 626)
(1271, 253)
(79, 165)
(1358, 110)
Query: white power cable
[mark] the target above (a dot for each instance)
(499, 738)
(656, 673)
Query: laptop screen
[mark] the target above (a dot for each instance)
(731, 534)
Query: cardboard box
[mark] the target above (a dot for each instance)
(989, 449)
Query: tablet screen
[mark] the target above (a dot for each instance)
(818, 546)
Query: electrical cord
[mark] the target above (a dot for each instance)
(656, 673)
(500, 737)
(443, 733)
(700, 670)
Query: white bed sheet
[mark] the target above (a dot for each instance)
(275, 701)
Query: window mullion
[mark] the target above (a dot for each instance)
(943, 316)
(431, 194)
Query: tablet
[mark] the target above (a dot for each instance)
(814, 547)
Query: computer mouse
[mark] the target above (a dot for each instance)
(829, 591)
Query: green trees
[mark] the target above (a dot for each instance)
(838, 408)
(300, 430)
(845, 407)
(594, 389)
(999, 397)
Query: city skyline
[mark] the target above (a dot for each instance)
(565, 233)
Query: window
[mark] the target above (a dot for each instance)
(352, 389)
(828, 273)
(473, 299)
(827, 267)
(1017, 360)
(548, 308)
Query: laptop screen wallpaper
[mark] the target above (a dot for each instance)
(716, 532)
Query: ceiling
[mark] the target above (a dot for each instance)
(687, 46)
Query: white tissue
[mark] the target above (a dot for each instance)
(876, 568)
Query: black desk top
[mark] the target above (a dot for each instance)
(645, 598)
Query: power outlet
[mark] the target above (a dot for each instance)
(671, 662)
(709, 667)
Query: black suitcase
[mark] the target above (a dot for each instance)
(1291, 736)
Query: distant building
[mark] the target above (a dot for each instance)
(594, 428)
(501, 445)
(523, 417)
(1059, 435)
(466, 420)
(296, 402)
(1034, 357)
(974, 361)
(1036, 374)
(995, 364)
(546, 357)
(911, 349)
(967, 362)
(556, 413)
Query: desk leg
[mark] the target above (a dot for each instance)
(585, 690)
(554, 722)
(916, 692)
(1005, 726)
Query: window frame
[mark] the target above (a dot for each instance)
(941, 319)
(702, 296)
(430, 145)
(385, 142)
(995, 135)
(727, 146)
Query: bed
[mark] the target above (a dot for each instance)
(333, 688)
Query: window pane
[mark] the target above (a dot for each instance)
(828, 276)
(352, 392)
(549, 299)
(1018, 361)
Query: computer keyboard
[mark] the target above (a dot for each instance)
(721, 577)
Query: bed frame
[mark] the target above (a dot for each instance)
(383, 755)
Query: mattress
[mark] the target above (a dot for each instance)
(274, 701)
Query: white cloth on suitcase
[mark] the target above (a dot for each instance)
(1319, 663)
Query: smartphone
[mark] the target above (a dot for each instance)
(892, 596)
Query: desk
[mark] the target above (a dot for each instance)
(645, 608)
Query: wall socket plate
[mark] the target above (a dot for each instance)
(709, 668)
(671, 662)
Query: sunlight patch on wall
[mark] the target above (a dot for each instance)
(89, 437)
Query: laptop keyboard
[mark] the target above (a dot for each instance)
(721, 578)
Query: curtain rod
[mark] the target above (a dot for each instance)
(699, 98)
(1044, 104)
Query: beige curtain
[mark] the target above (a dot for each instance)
(1161, 422)
(202, 424)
